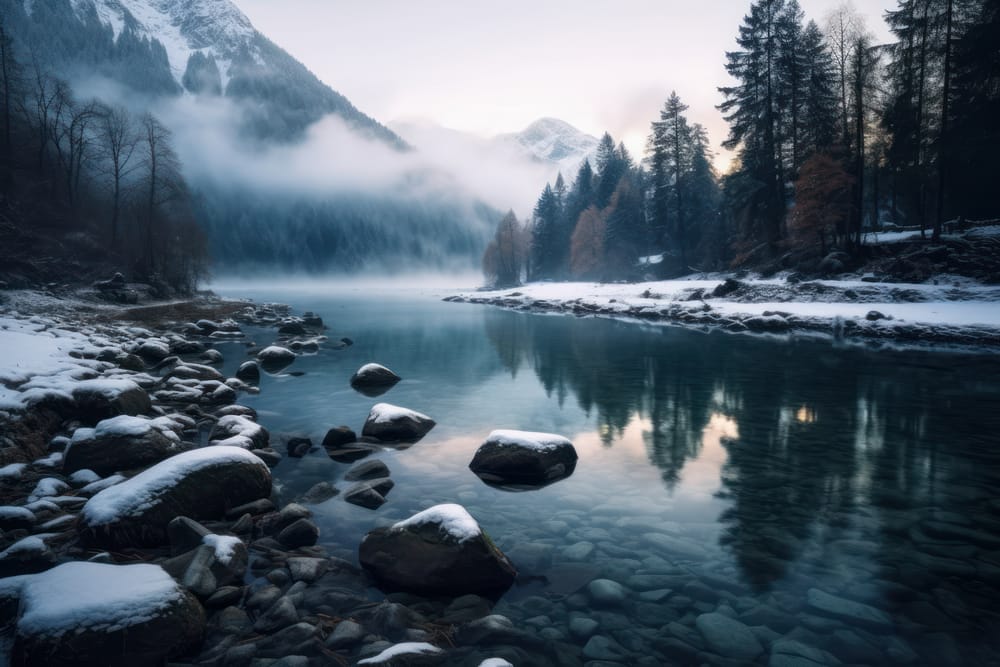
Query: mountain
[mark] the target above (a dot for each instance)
(553, 140)
(175, 47)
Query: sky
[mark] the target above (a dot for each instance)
(489, 68)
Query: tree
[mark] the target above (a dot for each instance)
(751, 108)
(579, 199)
(822, 201)
(669, 151)
(119, 139)
(10, 84)
(611, 166)
(545, 254)
(843, 28)
(505, 254)
(587, 249)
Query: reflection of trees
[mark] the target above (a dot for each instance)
(823, 432)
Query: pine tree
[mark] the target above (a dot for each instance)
(545, 254)
(751, 108)
(611, 167)
(578, 200)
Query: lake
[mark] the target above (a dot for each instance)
(740, 490)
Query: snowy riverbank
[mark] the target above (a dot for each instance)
(951, 311)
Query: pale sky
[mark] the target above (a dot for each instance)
(488, 68)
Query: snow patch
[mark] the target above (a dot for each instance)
(94, 596)
(405, 648)
(542, 442)
(224, 545)
(385, 413)
(453, 520)
(132, 497)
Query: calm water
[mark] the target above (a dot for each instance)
(717, 473)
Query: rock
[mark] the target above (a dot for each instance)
(345, 635)
(292, 328)
(319, 493)
(847, 610)
(239, 431)
(201, 484)
(582, 627)
(874, 316)
(607, 592)
(440, 551)
(185, 534)
(27, 556)
(153, 350)
(298, 447)
(94, 400)
(279, 615)
(97, 614)
(371, 493)
(211, 356)
(367, 470)
(249, 372)
(259, 506)
(600, 647)
(373, 379)
(121, 443)
(726, 288)
(233, 621)
(16, 518)
(224, 597)
(728, 637)
(791, 653)
(301, 533)
(391, 423)
(524, 458)
(352, 452)
(307, 569)
(274, 358)
(337, 437)
(286, 641)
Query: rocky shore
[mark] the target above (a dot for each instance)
(138, 522)
(936, 314)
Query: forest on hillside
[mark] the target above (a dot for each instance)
(834, 135)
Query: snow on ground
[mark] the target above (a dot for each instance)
(224, 545)
(980, 304)
(94, 596)
(396, 650)
(453, 520)
(528, 439)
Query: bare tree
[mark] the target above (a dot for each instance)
(844, 26)
(119, 140)
(163, 181)
(11, 73)
(71, 138)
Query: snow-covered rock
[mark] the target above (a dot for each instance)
(121, 443)
(440, 551)
(239, 431)
(524, 458)
(393, 423)
(201, 483)
(102, 398)
(274, 357)
(92, 613)
(373, 379)
(26, 556)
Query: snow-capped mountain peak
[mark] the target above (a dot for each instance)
(213, 27)
(554, 140)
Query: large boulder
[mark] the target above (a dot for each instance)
(440, 551)
(121, 443)
(391, 423)
(201, 484)
(99, 399)
(373, 379)
(96, 614)
(523, 458)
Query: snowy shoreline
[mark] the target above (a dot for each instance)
(953, 313)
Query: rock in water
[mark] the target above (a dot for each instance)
(121, 443)
(373, 379)
(201, 484)
(728, 637)
(97, 614)
(440, 551)
(524, 458)
(249, 372)
(274, 357)
(392, 423)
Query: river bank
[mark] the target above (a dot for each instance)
(123, 446)
(948, 312)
